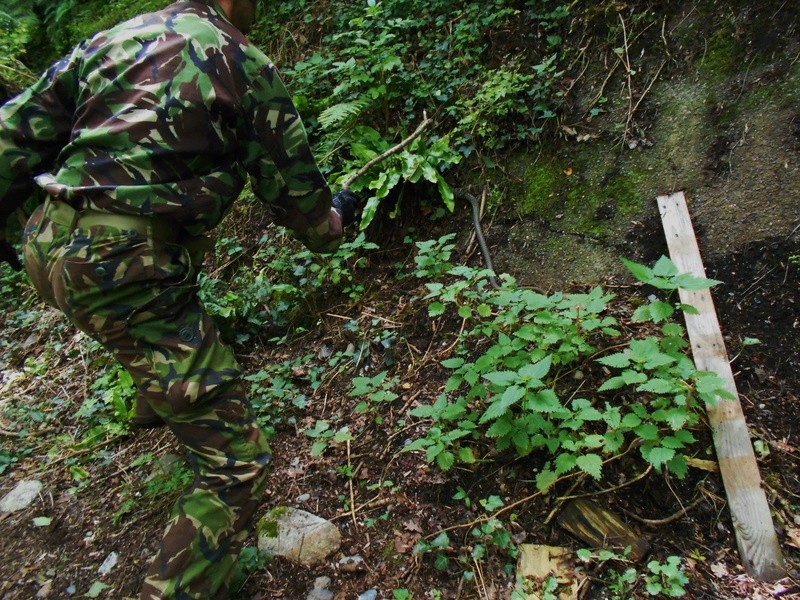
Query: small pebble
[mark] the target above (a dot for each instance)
(304, 498)
(369, 595)
(321, 583)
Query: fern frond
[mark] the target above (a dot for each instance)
(344, 111)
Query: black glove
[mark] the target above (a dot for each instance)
(9, 255)
(346, 203)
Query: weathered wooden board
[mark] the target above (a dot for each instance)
(600, 528)
(538, 562)
(755, 533)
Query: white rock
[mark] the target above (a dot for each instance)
(23, 494)
(109, 563)
(297, 535)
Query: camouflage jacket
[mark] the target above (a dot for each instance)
(164, 115)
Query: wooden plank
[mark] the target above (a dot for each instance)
(755, 533)
(537, 562)
(600, 528)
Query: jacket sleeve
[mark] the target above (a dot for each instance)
(277, 155)
(34, 127)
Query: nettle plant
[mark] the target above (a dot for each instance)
(521, 363)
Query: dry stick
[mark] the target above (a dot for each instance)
(393, 150)
(352, 494)
(627, 64)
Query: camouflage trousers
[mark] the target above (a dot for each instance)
(137, 296)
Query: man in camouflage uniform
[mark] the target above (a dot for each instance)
(142, 138)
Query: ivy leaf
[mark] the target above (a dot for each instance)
(591, 464)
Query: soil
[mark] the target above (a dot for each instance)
(742, 179)
(759, 300)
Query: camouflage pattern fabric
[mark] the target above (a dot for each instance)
(165, 115)
(137, 297)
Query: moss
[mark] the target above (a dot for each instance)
(543, 183)
(722, 57)
(585, 192)
(268, 524)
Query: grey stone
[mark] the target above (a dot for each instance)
(320, 595)
(297, 535)
(369, 595)
(322, 583)
(22, 496)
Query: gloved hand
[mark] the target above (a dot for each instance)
(346, 203)
(9, 255)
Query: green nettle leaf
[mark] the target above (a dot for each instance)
(435, 309)
(499, 407)
(678, 466)
(591, 464)
(657, 386)
(465, 455)
(688, 309)
(465, 312)
(545, 479)
(691, 282)
(641, 314)
(657, 456)
(445, 460)
(501, 378)
(565, 462)
(647, 431)
(614, 383)
(593, 441)
(318, 447)
(500, 428)
(484, 310)
(536, 371)
(664, 267)
(452, 363)
(629, 376)
(660, 311)
(631, 420)
(640, 272)
(619, 360)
